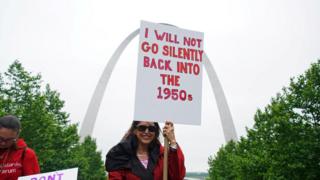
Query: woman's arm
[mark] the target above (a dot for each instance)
(176, 168)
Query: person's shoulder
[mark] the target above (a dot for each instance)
(21, 143)
(30, 150)
(29, 153)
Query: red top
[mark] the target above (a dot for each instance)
(20, 161)
(176, 168)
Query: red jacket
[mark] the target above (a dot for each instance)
(176, 168)
(19, 161)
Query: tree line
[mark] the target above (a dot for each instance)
(284, 142)
(45, 126)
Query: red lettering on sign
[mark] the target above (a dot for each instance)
(169, 79)
(146, 47)
(188, 68)
(192, 41)
(157, 64)
(168, 37)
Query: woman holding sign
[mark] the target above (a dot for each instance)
(140, 154)
(16, 159)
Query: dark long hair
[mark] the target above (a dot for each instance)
(133, 126)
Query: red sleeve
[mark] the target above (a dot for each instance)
(115, 175)
(176, 168)
(30, 163)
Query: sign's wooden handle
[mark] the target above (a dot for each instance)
(165, 160)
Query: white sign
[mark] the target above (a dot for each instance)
(67, 174)
(169, 76)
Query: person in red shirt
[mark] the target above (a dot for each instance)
(16, 159)
(140, 154)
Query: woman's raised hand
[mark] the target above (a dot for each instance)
(168, 131)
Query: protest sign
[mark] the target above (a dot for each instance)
(67, 174)
(169, 75)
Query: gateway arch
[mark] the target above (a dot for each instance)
(95, 102)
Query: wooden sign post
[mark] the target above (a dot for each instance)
(165, 160)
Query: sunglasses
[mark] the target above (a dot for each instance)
(143, 128)
(7, 140)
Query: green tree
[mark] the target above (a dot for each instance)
(45, 126)
(225, 161)
(284, 142)
(88, 159)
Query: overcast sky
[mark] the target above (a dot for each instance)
(254, 46)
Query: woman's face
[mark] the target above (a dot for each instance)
(145, 132)
(7, 137)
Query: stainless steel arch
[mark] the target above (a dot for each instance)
(95, 102)
(229, 130)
